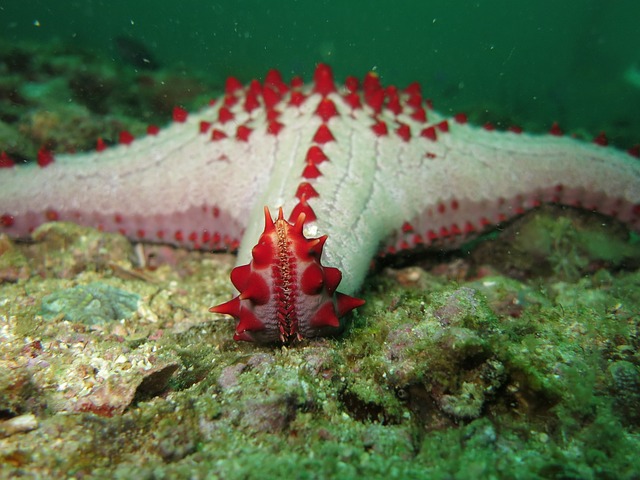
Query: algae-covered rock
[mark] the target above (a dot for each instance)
(625, 385)
(442, 374)
(62, 250)
(13, 264)
(91, 304)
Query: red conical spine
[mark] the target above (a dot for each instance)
(286, 294)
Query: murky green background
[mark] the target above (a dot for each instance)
(543, 61)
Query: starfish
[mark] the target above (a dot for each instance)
(367, 167)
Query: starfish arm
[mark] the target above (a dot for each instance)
(378, 190)
(179, 186)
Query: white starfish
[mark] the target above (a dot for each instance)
(371, 168)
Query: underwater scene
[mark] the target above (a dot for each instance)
(445, 281)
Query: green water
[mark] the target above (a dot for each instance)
(555, 356)
(529, 63)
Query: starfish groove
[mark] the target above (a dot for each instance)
(373, 168)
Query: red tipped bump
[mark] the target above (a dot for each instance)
(125, 138)
(380, 129)
(217, 135)
(180, 114)
(323, 135)
(251, 101)
(429, 133)
(254, 88)
(100, 145)
(311, 171)
(7, 220)
(297, 82)
(332, 278)
(312, 280)
(326, 317)
(6, 161)
(232, 307)
(45, 157)
(353, 100)
(232, 85)
(316, 245)
(393, 100)
(298, 225)
(460, 118)
(323, 80)
(272, 114)
(274, 127)
(634, 151)
(346, 303)
(351, 83)
(297, 98)
(326, 109)
(152, 130)
(269, 226)
(229, 101)
(443, 126)
(404, 132)
(469, 228)
(242, 133)
(52, 216)
(375, 99)
(248, 323)
(225, 115)
(204, 126)
(371, 83)
(413, 90)
(271, 97)
(262, 254)
(315, 155)
(556, 130)
(306, 190)
(419, 115)
(601, 139)
(303, 207)
(256, 290)
(273, 79)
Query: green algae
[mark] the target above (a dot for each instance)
(562, 242)
(92, 303)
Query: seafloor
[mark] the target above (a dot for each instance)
(517, 358)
